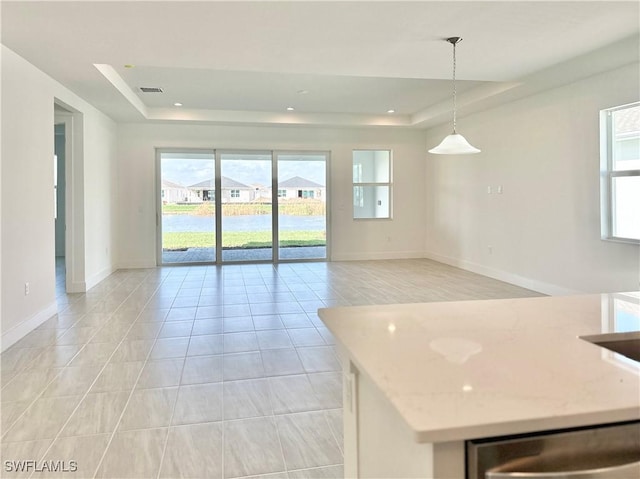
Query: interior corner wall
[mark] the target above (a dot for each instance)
(543, 231)
(402, 237)
(27, 219)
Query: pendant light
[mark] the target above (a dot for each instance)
(455, 143)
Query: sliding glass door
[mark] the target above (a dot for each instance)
(246, 200)
(302, 206)
(241, 206)
(187, 211)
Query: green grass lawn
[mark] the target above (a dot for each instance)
(241, 239)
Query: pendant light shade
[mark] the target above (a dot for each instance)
(455, 143)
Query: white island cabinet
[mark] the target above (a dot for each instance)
(421, 379)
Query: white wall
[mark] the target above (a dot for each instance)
(398, 238)
(28, 236)
(544, 229)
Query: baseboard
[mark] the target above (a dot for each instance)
(506, 276)
(20, 330)
(134, 264)
(377, 256)
(96, 278)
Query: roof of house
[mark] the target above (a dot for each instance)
(170, 184)
(226, 183)
(299, 182)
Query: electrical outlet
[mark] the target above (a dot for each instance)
(26, 288)
(499, 189)
(488, 190)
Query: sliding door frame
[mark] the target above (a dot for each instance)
(327, 219)
(217, 155)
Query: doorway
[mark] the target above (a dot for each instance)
(59, 190)
(241, 206)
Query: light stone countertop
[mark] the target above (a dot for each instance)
(472, 369)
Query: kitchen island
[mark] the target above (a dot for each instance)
(421, 379)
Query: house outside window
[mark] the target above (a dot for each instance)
(620, 173)
(282, 193)
(235, 193)
(372, 187)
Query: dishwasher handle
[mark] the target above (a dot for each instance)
(624, 471)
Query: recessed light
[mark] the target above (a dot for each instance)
(391, 111)
(290, 108)
(129, 65)
(303, 92)
(177, 104)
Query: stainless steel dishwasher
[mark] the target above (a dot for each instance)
(608, 451)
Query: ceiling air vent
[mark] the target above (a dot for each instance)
(150, 89)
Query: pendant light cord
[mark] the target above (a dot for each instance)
(454, 87)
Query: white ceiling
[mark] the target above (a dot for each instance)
(246, 62)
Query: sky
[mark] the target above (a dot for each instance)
(189, 171)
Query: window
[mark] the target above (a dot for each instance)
(371, 184)
(282, 193)
(620, 172)
(235, 193)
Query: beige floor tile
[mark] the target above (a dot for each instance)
(206, 326)
(97, 413)
(43, 420)
(336, 423)
(17, 359)
(202, 369)
(132, 350)
(237, 324)
(318, 359)
(79, 334)
(134, 454)
(292, 394)
(273, 339)
(72, 381)
(329, 472)
(176, 329)
(251, 447)
(307, 441)
(247, 398)
(194, 452)
(54, 357)
(240, 342)
(94, 354)
(280, 362)
(299, 320)
(198, 403)
(183, 314)
(144, 330)
(10, 412)
(118, 377)
(170, 348)
(153, 315)
(305, 337)
(205, 345)
(149, 408)
(85, 452)
(13, 453)
(267, 322)
(242, 366)
(28, 385)
(161, 373)
(328, 389)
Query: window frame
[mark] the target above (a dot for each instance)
(608, 175)
(361, 185)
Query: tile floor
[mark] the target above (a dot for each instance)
(201, 371)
